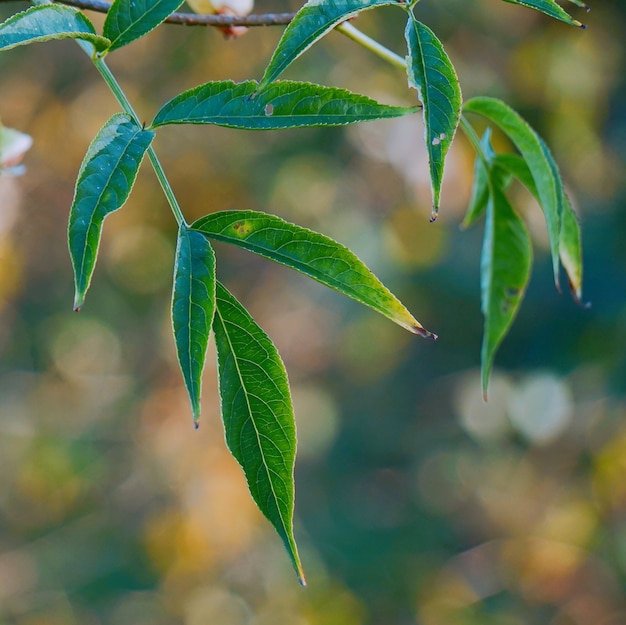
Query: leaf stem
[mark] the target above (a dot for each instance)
(120, 96)
(370, 44)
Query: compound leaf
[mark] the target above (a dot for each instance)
(104, 183)
(314, 20)
(46, 22)
(193, 307)
(539, 161)
(128, 20)
(432, 74)
(551, 8)
(258, 414)
(311, 253)
(284, 104)
(505, 270)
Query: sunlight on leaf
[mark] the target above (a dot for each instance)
(551, 8)
(311, 253)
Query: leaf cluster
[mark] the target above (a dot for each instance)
(255, 398)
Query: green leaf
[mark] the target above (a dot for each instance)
(104, 183)
(284, 104)
(311, 253)
(551, 8)
(47, 22)
(128, 20)
(314, 20)
(480, 186)
(258, 414)
(505, 270)
(432, 74)
(193, 308)
(538, 159)
(570, 248)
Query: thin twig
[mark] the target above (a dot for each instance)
(193, 19)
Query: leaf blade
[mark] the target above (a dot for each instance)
(105, 180)
(506, 261)
(432, 74)
(314, 20)
(258, 415)
(128, 20)
(310, 253)
(550, 8)
(284, 104)
(540, 162)
(48, 22)
(193, 309)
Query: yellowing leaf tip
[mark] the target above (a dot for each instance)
(423, 332)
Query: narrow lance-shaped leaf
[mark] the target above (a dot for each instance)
(258, 414)
(505, 270)
(193, 307)
(551, 8)
(540, 163)
(314, 20)
(570, 248)
(104, 183)
(128, 20)
(311, 253)
(284, 104)
(46, 22)
(432, 74)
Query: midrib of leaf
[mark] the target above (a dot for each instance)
(252, 420)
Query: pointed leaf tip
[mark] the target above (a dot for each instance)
(424, 333)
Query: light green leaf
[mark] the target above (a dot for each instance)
(505, 270)
(314, 20)
(258, 414)
(193, 307)
(47, 22)
(104, 183)
(284, 104)
(480, 185)
(432, 74)
(551, 8)
(128, 20)
(539, 160)
(311, 253)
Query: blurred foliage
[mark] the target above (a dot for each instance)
(417, 503)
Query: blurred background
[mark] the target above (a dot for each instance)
(417, 504)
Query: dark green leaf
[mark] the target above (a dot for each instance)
(505, 270)
(258, 415)
(432, 74)
(311, 253)
(283, 104)
(314, 20)
(104, 183)
(46, 22)
(539, 161)
(128, 20)
(193, 307)
(551, 8)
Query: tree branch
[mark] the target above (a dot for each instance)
(194, 19)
